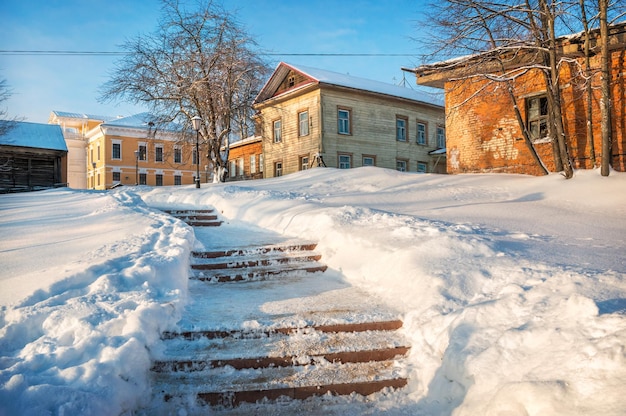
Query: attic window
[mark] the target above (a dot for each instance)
(291, 81)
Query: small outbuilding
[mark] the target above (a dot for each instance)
(33, 156)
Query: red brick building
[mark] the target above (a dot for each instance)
(483, 133)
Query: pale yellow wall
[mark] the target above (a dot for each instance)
(292, 146)
(373, 128)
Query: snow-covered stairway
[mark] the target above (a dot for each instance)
(256, 263)
(267, 322)
(196, 217)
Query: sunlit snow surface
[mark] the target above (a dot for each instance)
(511, 287)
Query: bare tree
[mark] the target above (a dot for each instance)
(503, 41)
(6, 123)
(197, 63)
(605, 103)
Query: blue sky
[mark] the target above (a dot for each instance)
(43, 83)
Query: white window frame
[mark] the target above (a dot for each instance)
(344, 161)
(402, 128)
(156, 153)
(143, 155)
(421, 133)
(401, 165)
(252, 164)
(441, 137)
(366, 158)
(117, 143)
(232, 170)
(344, 122)
(303, 123)
(278, 130)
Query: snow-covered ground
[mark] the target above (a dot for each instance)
(512, 288)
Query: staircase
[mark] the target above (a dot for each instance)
(269, 322)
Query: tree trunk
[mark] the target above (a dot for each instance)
(605, 102)
(554, 92)
(588, 86)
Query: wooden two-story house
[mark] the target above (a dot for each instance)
(310, 117)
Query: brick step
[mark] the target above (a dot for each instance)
(254, 250)
(182, 212)
(196, 217)
(235, 398)
(203, 223)
(227, 387)
(243, 262)
(251, 274)
(298, 347)
(386, 325)
(286, 361)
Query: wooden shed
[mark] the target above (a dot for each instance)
(33, 156)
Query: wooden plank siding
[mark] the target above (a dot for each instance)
(374, 129)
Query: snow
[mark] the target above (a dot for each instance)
(512, 288)
(36, 135)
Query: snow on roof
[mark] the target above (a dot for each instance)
(83, 116)
(140, 121)
(35, 135)
(323, 76)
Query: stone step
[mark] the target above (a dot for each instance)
(227, 387)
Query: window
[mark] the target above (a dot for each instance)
(98, 179)
(142, 152)
(252, 164)
(303, 123)
(91, 153)
(422, 167)
(291, 81)
(401, 165)
(261, 163)
(441, 137)
(345, 161)
(116, 152)
(159, 179)
(401, 128)
(241, 170)
(369, 161)
(158, 154)
(278, 137)
(98, 152)
(537, 117)
(178, 155)
(421, 133)
(178, 180)
(304, 162)
(232, 170)
(278, 169)
(343, 121)
(117, 176)
(143, 179)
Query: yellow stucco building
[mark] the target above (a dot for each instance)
(107, 152)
